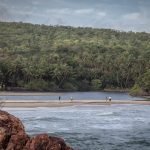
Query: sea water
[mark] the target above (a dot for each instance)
(74, 95)
(113, 127)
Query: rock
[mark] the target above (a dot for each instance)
(12, 133)
(44, 142)
(13, 137)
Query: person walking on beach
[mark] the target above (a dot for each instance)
(59, 98)
(109, 99)
(71, 98)
(106, 98)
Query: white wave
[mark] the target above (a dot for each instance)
(105, 113)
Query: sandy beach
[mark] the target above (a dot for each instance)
(66, 103)
(56, 103)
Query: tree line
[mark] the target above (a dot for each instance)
(55, 58)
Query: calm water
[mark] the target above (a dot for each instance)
(75, 95)
(114, 127)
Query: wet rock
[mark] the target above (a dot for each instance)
(12, 133)
(13, 137)
(44, 142)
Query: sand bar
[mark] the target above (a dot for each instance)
(64, 103)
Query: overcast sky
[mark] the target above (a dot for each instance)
(116, 14)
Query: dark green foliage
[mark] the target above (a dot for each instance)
(96, 84)
(39, 85)
(39, 57)
(136, 90)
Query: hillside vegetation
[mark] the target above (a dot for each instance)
(54, 58)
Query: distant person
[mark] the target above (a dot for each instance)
(106, 98)
(71, 98)
(109, 98)
(59, 98)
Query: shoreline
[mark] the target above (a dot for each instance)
(36, 93)
(27, 93)
(67, 103)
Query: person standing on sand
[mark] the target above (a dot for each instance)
(71, 98)
(109, 98)
(106, 98)
(59, 98)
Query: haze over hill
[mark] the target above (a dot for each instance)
(116, 14)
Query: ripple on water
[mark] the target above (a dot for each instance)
(116, 127)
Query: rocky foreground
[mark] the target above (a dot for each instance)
(14, 137)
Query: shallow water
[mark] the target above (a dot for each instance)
(75, 95)
(116, 127)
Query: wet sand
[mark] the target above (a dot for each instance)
(66, 103)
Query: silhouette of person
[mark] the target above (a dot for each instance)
(106, 98)
(59, 98)
(109, 98)
(71, 98)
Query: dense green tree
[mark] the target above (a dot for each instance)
(52, 58)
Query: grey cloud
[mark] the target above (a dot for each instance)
(84, 11)
(117, 14)
(5, 15)
(132, 16)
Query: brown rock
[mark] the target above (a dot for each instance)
(12, 133)
(13, 137)
(44, 142)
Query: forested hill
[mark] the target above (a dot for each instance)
(53, 58)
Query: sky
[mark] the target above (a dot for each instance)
(124, 15)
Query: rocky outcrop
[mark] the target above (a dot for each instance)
(13, 137)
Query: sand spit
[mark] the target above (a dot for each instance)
(65, 103)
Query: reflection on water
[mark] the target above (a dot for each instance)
(74, 95)
(125, 127)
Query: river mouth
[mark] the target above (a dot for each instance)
(112, 127)
(68, 95)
